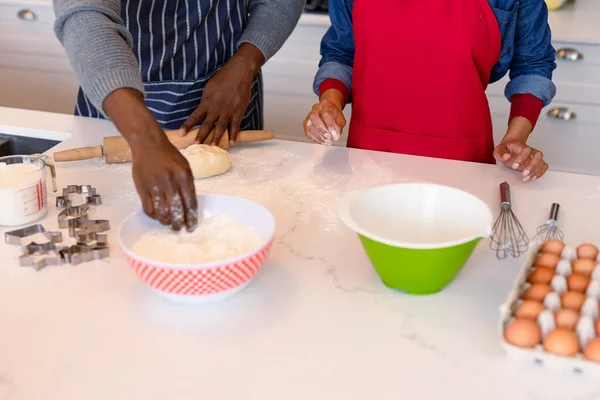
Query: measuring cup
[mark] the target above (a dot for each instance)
(23, 195)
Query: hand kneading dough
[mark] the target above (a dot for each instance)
(206, 160)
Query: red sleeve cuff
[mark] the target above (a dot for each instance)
(527, 106)
(331, 83)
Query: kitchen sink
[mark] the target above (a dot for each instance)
(20, 145)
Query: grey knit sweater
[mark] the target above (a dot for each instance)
(100, 48)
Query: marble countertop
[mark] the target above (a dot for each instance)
(316, 323)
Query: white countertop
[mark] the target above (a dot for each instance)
(315, 324)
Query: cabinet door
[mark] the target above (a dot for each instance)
(35, 73)
(38, 90)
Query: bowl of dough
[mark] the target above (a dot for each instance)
(220, 258)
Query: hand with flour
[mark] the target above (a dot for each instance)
(326, 120)
(162, 175)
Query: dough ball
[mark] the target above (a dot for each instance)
(206, 160)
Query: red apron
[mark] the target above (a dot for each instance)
(420, 72)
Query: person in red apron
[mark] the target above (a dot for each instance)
(416, 72)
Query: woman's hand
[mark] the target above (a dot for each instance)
(513, 152)
(326, 119)
(226, 97)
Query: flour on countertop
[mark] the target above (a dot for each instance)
(216, 239)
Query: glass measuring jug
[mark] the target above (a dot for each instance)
(23, 195)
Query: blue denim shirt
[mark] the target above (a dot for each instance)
(526, 48)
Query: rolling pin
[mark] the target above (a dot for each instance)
(116, 150)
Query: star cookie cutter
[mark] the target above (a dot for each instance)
(14, 237)
(39, 262)
(39, 249)
(36, 255)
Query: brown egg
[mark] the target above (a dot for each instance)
(547, 260)
(584, 266)
(537, 292)
(529, 309)
(566, 318)
(541, 275)
(598, 327)
(553, 247)
(592, 350)
(572, 300)
(523, 333)
(588, 251)
(578, 282)
(562, 341)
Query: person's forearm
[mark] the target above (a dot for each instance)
(270, 23)
(519, 129)
(334, 96)
(98, 46)
(251, 58)
(127, 110)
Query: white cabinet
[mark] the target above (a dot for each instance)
(34, 70)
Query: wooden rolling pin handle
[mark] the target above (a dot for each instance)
(82, 153)
(254, 136)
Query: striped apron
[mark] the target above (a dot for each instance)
(180, 45)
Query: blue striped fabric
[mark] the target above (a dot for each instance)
(180, 44)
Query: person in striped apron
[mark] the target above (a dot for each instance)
(151, 65)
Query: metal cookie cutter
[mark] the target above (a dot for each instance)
(39, 262)
(88, 231)
(38, 249)
(70, 216)
(91, 197)
(81, 253)
(75, 218)
(14, 237)
(38, 255)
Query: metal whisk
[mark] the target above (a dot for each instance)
(508, 235)
(550, 230)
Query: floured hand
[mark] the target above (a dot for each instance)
(325, 122)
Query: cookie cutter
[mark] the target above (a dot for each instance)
(27, 260)
(92, 238)
(75, 218)
(90, 245)
(38, 249)
(14, 237)
(91, 197)
(70, 217)
(89, 230)
(36, 255)
(80, 253)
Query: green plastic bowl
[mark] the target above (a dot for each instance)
(418, 236)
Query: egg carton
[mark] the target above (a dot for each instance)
(537, 355)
